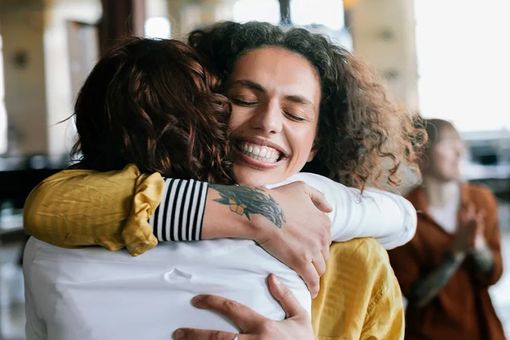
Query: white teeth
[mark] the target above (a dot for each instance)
(261, 153)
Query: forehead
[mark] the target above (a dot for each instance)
(278, 69)
(446, 132)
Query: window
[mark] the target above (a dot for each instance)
(463, 62)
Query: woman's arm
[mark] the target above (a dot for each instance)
(389, 218)
(112, 209)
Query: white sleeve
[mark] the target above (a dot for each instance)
(388, 217)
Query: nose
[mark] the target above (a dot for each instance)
(268, 118)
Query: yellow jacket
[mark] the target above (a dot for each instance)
(359, 296)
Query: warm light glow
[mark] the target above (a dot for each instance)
(259, 10)
(325, 12)
(157, 27)
(464, 62)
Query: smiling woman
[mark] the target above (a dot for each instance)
(358, 125)
(275, 112)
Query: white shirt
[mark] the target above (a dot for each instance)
(93, 294)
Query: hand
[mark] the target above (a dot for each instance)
(296, 326)
(470, 232)
(480, 240)
(303, 241)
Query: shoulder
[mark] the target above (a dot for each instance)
(480, 194)
(364, 259)
(314, 180)
(360, 283)
(361, 249)
(478, 189)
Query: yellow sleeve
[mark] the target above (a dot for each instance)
(359, 296)
(76, 208)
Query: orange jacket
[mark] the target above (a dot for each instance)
(462, 309)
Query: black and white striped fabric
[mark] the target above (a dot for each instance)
(180, 214)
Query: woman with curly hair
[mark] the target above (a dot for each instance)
(274, 120)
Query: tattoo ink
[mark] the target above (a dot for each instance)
(247, 201)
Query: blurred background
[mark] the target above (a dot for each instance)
(445, 59)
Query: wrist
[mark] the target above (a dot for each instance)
(226, 221)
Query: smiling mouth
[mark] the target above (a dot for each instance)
(262, 153)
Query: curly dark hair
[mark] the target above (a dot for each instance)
(359, 127)
(151, 103)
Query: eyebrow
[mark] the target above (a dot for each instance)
(259, 88)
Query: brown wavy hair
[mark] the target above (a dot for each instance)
(151, 103)
(363, 137)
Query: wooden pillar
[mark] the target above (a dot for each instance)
(383, 34)
(120, 19)
(285, 18)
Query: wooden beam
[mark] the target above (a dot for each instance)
(285, 17)
(120, 19)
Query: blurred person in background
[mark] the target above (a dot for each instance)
(447, 268)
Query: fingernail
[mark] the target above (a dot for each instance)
(276, 281)
(197, 300)
(179, 334)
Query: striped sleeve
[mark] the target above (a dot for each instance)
(180, 214)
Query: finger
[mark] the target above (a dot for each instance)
(480, 224)
(471, 211)
(325, 253)
(467, 213)
(319, 264)
(241, 315)
(203, 334)
(319, 200)
(284, 296)
(311, 277)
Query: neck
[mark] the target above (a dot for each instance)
(440, 193)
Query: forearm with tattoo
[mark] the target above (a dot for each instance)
(249, 201)
(426, 288)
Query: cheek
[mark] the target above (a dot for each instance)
(304, 141)
(445, 161)
(235, 120)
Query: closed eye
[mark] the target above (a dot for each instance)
(294, 117)
(243, 102)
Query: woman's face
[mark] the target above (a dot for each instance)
(275, 96)
(445, 156)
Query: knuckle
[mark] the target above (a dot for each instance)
(325, 239)
(217, 335)
(228, 305)
(267, 327)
